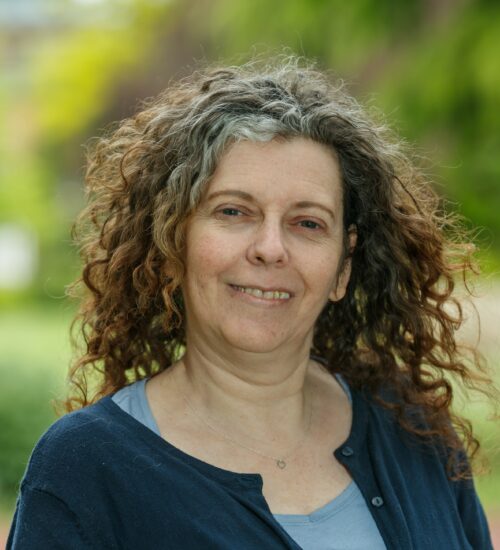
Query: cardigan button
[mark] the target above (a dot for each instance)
(377, 502)
(347, 451)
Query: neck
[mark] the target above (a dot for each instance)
(260, 397)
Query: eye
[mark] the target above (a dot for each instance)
(310, 224)
(228, 211)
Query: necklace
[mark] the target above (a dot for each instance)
(280, 462)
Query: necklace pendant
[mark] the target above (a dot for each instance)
(281, 464)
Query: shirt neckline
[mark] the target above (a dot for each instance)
(331, 508)
(254, 480)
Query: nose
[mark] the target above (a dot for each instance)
(268, 246)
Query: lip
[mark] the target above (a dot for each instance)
(263, 288)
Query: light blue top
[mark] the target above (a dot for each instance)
(344, 523)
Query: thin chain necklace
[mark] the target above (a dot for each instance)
(280, 462)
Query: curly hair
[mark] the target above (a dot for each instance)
(394, 327)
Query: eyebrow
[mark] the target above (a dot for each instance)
(248, 197)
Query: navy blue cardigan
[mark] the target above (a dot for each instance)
(99, 479)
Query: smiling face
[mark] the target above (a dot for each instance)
(263, 247)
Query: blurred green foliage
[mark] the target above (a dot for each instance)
(35, 353)
(52, 102)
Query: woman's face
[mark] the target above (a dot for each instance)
(263, 247)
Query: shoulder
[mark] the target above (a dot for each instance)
(409, 465)
(396, 427)
(401, 432)
(389, 407)
(71, 442)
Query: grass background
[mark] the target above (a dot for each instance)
(35, 352)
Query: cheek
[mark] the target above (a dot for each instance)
(325, 268)
(327, 280)
(207, 255)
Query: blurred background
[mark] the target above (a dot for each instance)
(70, 67)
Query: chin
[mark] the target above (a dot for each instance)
(260, 342)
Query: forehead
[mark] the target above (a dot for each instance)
(298, 168)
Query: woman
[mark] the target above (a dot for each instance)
(264, 334)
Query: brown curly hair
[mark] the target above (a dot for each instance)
(394, 328)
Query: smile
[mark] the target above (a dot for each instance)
(265, 295)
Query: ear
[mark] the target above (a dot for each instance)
(338, 292)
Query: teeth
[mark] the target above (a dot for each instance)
(268, 295)
(254, 292)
